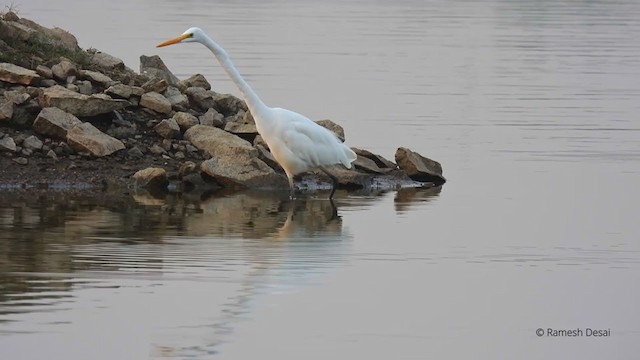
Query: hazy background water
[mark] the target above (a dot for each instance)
(532, 108)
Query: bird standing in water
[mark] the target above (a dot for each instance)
(296, 142)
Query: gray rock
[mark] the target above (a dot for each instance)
(135, 152)
(200, 98)
(44, 71)
(241, 169)
(17, 75)
(54, 122)
(96, 77)
(78, 104)
(7, 144)
(124, 91)
(368, 165)
(32, 143)
(155, 85)
(178, 100)
(155, 149)
(84, 87)
(63, 70)
(212, 118)
(245, 131)
(87, 138)
(21, 160)
(52, 154)
(227, 104)
(151, 177)
(155, 102)
(216, 142)
(380, 161)
(168, 129)
(107, 62)
(185, 120)
(266, 156)
(73, 87)
(6, 110)
(154, 68)
(337, 129)
(259, 141)
(18, 97)
(418, 167)
(197, 80)
(48, 83)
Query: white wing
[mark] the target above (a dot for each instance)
(301, 144)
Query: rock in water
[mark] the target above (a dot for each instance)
(17, 75)
(418, 167)
(243, 170)
(151, 177)
(54, 122)
(87, 138)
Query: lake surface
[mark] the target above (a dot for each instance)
(532, 107)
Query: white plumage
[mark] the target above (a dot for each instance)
(296, 142)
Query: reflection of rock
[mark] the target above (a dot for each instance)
(407, 198)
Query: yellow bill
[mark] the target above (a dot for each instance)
(175, 40)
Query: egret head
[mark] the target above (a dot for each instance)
(193, 34)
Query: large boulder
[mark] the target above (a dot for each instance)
(54, 122)
(17, 75)
(79, 104)
(216, 142)
(151, 177)
(418, 167)
(242, 169)
(87, 138)
(154, 68)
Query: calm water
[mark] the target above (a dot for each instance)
(532, 108)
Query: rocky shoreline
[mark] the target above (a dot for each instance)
(80, 118)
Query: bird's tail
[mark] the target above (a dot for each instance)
(349, 157)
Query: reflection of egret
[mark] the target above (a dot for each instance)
(297, 143)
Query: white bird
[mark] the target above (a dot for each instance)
(297, 143)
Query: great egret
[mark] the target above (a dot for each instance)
(297, 143)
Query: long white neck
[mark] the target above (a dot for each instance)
(255, 104)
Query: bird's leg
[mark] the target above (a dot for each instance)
(333, 179)
(291, 187)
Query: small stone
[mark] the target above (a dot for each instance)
(21, 160)
(6, 110)
(156, 150)
(196, 80)
(178, 100)
(44, 71)
(26, 152)
(96, 77)
(156, 102)
(168, 129)
(7, 144)
(135, 152)
(179, 155)
(32, 143)
(212, 118)
(63, 69)
(52, 154)
(73, 87)
(185, 120)
(155, 85)
(190, 148)
(107, 61)
(84, 87)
